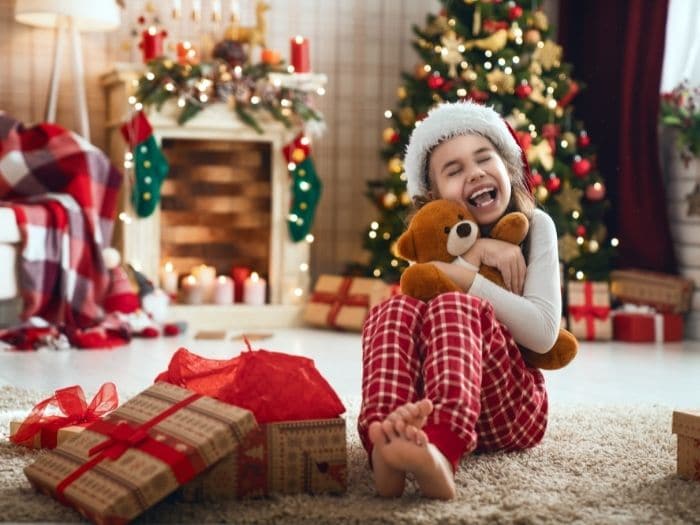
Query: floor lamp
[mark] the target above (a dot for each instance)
(72, 16)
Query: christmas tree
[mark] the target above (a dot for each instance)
(499, 54)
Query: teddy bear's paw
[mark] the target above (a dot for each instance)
(512, 228)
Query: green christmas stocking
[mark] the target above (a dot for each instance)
(306, 191)
(150, 165)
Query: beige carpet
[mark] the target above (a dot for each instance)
(596, 465)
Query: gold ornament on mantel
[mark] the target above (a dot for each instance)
(568, 248)
(493, 43)
(549, 55)
(451, 52)
(569, 198)
(500, 82)
(693, 199)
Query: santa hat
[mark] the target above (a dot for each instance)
(121, 295)
(450, 120)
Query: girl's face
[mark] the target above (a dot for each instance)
(468, 169)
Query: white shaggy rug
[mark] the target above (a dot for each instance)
(596, 465)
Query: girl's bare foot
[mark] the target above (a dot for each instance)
(400, 446)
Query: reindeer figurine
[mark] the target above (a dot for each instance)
(253, 36)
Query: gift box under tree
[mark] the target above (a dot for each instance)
(642, 324)
(686, 425)
(665, 293)
(343, 302)
(589, 310)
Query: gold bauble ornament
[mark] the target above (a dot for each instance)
(389, 200)
(568, 248)
(395, 165)
(541, 194)
(407, 116)
(570, 140)
(401, 92)
(406, 199)
(298, 155)
(532, 36)
(569, 198)
(549, 55)
(469, 75)
(503, 83)
(540, 21)
(388, 135)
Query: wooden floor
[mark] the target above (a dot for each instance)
(604, 373)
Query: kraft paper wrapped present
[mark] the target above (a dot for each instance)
(281, 458)
(343, 302)
(686, 425)
(666, 293)
(643, 324)
(40, 439)
(589, 310)
(135, 456)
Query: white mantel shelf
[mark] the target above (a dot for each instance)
(235, 316)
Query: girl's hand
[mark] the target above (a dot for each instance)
(507, 258)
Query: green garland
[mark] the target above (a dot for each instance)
(246, 89)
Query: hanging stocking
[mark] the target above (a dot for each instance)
(150, 165)
(306, 188)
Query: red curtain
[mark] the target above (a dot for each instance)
(617, 49)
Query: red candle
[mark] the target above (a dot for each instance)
(239, 274)
(151, 43)
(300, 54)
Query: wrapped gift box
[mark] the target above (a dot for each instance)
(666, 293)
(686, 425)
(343, 302)
(132, 458)
(589, 310)
(639, 325)
(40, 440)
(280, 458)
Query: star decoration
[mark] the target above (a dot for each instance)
(548, 55)
(451, 53)
(569, 198)
(502, 82)
(568, 248)
(542, 153)
(693, 199)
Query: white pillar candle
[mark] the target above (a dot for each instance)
(223, 290)
(191, 290)
(205, 275)
(168, 278)
(254, 290)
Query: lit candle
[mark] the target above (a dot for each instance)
(270, 57)
(177, 8)
(196, 9)
(191, 290)
(205, 275)
(235, 10)
(300, 54)
(168, 279)
(254, 290)
(223, 290)
(216, 10)
(239, 275)
(151, 43)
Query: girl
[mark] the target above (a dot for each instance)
(444, 378)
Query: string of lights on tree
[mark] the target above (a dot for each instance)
(499, 54)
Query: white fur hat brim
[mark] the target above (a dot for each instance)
(449, 120)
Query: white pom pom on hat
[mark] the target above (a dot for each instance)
(450, 120)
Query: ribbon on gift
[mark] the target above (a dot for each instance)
(339, 299)
(589, 311)
(71, 402)
(123, 436)
(649, 311)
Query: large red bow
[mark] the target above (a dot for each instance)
(71, 402)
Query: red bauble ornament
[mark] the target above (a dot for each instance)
(478, 96)
(523, 90)
(515, 12)
(595, 192)
(435, 81)
(581, 167)
(581, 230)
(583, 140)
(536, 178)
(553, 183)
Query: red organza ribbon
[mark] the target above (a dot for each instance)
(123, 436)
(589, 311)
(71, 402)
(340, 299)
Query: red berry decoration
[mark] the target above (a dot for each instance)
(583, 140)
(553, 183)
(515, 12)
(581, 167)
(523, 90)
(435, 81)
(536, 178)
(581, 230)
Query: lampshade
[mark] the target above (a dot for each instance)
(88, 15)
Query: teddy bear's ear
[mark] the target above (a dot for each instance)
(405, 247)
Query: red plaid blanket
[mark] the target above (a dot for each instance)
(63, 191)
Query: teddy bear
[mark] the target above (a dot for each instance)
(444, 230)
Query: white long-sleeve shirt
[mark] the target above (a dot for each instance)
(534, 318)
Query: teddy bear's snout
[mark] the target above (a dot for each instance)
(464, 229)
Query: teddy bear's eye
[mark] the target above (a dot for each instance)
(460, 217)
(447, 229)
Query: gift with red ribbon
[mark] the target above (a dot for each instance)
(589, 310)
(124, 463)
(643, 324)
(42, 430)
(342, 303)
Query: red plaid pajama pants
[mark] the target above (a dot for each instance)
(453, 351)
